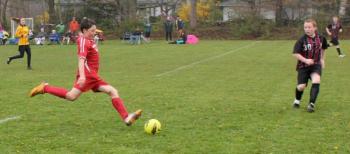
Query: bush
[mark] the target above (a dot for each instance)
(251, 27)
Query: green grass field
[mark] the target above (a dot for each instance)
(214, 97)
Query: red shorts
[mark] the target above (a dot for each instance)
(92, 82)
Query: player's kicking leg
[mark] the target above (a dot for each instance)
(118, 104)
(56, 91)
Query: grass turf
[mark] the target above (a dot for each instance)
(215, 97)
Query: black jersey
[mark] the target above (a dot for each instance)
(310, 48)
(334, 29)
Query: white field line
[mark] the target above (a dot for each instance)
(207, 59)
(9, 119)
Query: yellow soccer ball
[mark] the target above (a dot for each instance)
(152, 126)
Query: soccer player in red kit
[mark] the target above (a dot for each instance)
(309, 51)
(87, 77)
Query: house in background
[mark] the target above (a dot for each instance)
(234, 9)
(148, 8)
(66, 6)
(155, 8)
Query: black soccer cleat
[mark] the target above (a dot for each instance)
(8, 61)
(311, 108)
(297, 106)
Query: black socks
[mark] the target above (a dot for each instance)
(298, 94)
(339, 52)
(314, 92)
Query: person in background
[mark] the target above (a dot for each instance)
(135, 38)
(67, 37)
(179, 25)
(168, 28)
(183, 36)
(74, 26)
(6, 36)
(333, 31)
(147, 31)
(30, 35)
(99, 36)
(1, 37)
(40, 38)
(1, 34)
(42, 25)
(22, 33)
(182, 39)
(60, 29)
(54, 37)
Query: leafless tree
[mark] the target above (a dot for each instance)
(193, 14)
(279, 11)
(52, 12)
(3, 8)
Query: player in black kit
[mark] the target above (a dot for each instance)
(309, 51)
(333, 31)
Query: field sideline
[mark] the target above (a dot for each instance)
(214, 97)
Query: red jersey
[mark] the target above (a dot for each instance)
(87, 49)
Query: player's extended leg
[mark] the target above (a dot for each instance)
(21, 54)
(118, 104)
(43, 88)
(316, 80)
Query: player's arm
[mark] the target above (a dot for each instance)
(328, 31)
(82, 77)
(323, 55)
(340, 29)
(303, 59)
(81, 67)
(83, 49)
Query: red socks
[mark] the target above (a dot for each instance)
(56, 91)
(61, 92)
(119, 106)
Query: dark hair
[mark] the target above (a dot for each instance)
(86, 24)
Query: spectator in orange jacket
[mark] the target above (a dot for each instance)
(74, 26)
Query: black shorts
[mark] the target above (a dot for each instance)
(304, 74)
(335, 41)
(147, 34)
